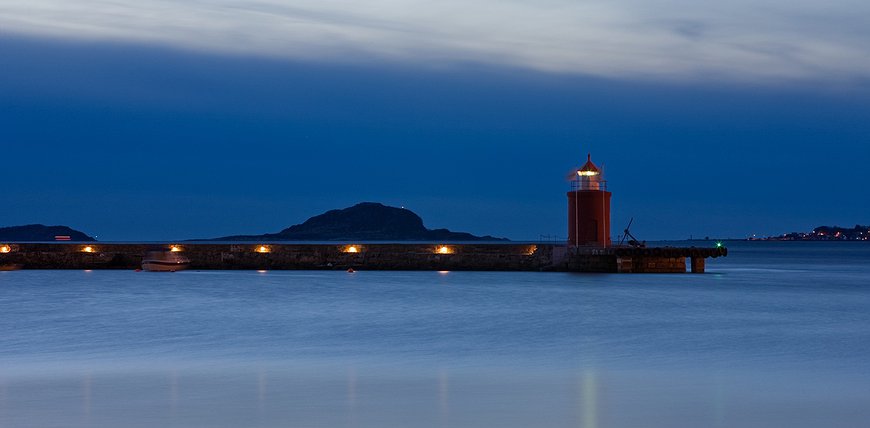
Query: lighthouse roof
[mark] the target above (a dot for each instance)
(589, 168)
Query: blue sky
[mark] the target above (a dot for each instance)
(176, 120)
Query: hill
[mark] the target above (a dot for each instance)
(39, 232)
(367, 221)
(825, 233)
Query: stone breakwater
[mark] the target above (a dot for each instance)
(478, 257)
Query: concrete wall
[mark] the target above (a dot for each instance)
(481, 257)
(651, 264)
(290, 256)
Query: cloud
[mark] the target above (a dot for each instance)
(668, 39)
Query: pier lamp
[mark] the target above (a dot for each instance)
(5, 249)
(351, 249)
(443, 249)
(88, 249)
(263, 249)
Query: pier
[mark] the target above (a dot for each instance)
(589, 247)
(374, 256)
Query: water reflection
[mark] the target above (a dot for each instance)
(2, 396)
(444, 397)
(351, 396)
(86, 396)
(335, 396)
(261, 389)
(589, 399)
(752, 347)
(173, 392)
(718, 400)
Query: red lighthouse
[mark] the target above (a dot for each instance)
(589, 208)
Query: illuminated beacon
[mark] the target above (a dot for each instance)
(589, 208)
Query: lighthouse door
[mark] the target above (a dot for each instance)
(588, 232)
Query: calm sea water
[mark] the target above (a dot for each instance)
(776, 334)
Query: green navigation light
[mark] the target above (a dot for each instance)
(719, 244)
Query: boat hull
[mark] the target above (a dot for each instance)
(164, 261)
(164, 266)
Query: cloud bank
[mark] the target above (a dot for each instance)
(667, 39)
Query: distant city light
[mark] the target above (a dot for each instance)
(351, 249)
(88, 249)
(444, 250)
(5, 249)
(263, 249)
(175, 248)
(531, 250)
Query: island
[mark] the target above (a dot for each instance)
(824, 233)
(42, 233)
(366, 221)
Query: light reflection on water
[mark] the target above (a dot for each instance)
(774, 336)
(289, 397)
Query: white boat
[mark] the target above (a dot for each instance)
(164, 261)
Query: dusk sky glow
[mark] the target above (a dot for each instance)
(183, 119)
(669, 40)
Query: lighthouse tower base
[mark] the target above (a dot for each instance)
(589, 218)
